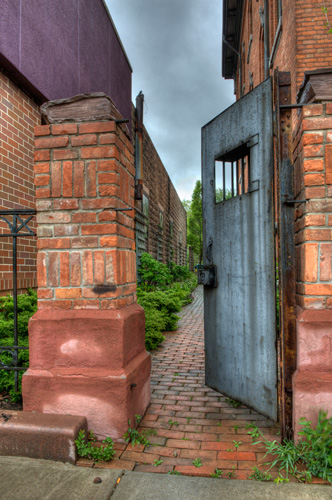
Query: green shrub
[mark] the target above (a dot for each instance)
(161, 302)
(26, 307)
(7, 378)
(153, 274)
(179, 273)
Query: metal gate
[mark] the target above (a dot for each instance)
(239, 262)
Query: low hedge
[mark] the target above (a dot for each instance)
(164, 290)
(26, 307)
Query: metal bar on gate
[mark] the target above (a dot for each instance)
(15, 353)
(237, 178)
(223, 182)
(232, 174)
(242, 175)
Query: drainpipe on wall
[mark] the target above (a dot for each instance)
(139, 147)
(266, 39)
(240, 61)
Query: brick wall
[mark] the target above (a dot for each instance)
(86, 248)
(163, 199)
(303, 43)
(18, 116)
(313, 220)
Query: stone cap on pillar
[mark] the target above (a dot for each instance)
(316, 86)
(94, 106)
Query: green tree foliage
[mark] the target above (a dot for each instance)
(195, 222)
(220, 194)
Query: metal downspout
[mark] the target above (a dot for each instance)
(266, 39)
(139, 147)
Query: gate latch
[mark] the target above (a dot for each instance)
(207, 276)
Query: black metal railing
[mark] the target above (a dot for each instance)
(19, 223)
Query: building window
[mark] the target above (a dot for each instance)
(161, 220)
(146, 207)
(250, 16)
(171, 229)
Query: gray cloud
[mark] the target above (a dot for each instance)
(175, 50)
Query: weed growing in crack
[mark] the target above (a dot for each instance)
(134, 437)
(197, 462)
(259, 475)
(86, 449)
(217, 473)
(232, 402)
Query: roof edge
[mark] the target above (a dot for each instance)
(232, 21)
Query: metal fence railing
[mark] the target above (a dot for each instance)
(18, 225)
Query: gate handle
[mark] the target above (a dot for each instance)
(209, 250)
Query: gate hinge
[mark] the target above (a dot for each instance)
(253, 141)
(254, 186)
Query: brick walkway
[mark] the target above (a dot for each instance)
(191, 420)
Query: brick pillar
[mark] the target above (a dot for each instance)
(87, 340)
(312, 381)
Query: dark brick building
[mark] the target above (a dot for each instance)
(165, 234)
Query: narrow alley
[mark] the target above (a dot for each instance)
(192, 422)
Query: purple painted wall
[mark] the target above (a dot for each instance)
(60, 48)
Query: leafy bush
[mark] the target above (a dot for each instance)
(162, 296)
(153, 274)
(26, 307)
(179, 273)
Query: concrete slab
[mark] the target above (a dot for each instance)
(29, 479)
(149, 486)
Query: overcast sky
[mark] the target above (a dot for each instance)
(174, 47)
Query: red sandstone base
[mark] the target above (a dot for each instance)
(312, 381)
(90, 363)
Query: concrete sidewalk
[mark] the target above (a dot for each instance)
(28, 479)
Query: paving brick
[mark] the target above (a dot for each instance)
(136, 456)
(206, 421)
(177, 443)
(202, 454)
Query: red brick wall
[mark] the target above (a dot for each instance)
(18, 116)
(304, 43)
(163, 198)
(86, 249)
(313, 222)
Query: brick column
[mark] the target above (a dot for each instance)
(87, 340)
(312, 381)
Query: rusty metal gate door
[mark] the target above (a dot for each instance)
(239, 272)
